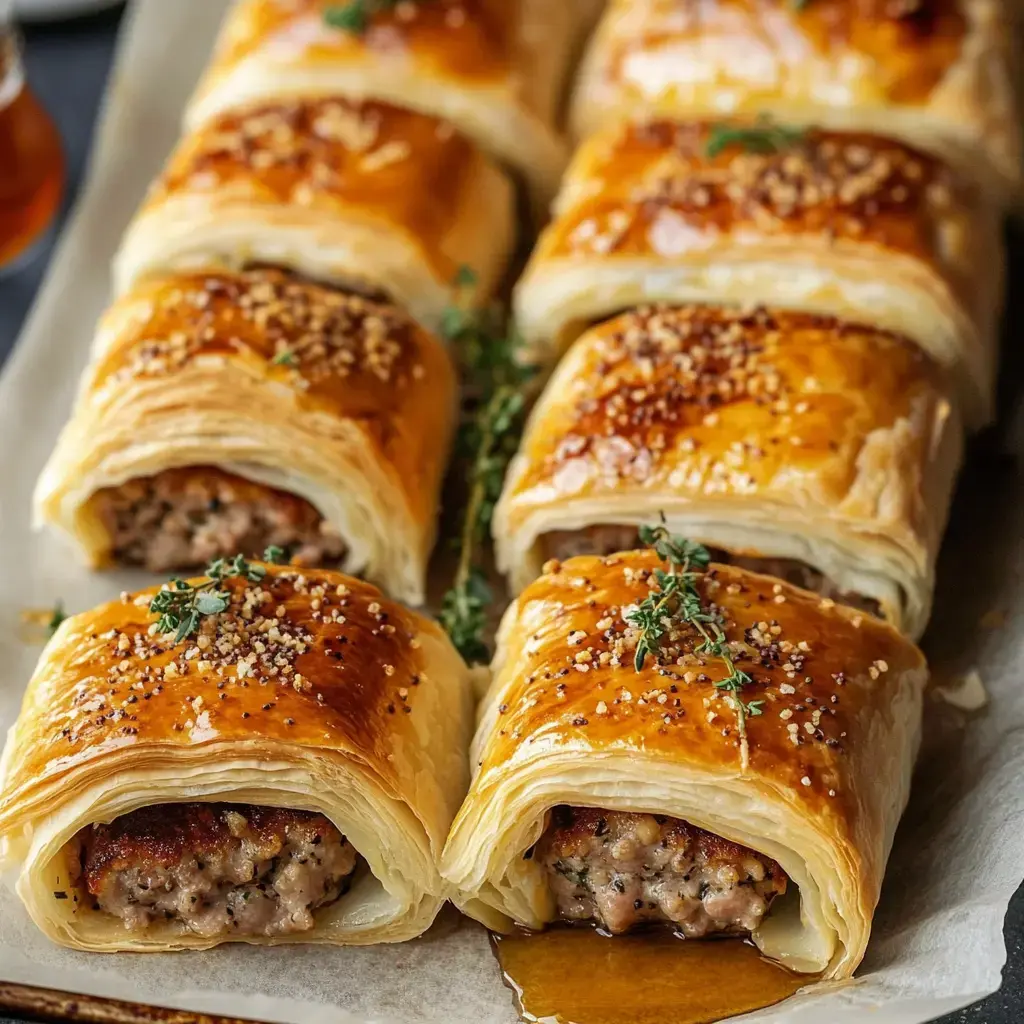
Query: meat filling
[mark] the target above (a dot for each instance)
(185, 518)
(623, 870)
(606, 540)
(217, 869)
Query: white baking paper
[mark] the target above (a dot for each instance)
(937, 941)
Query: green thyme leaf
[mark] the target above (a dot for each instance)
(466, 277)
(352, 17)
(355, 15)
(237, 567)
(493, 422)
(286, 358)
(212, 602)
(275, 555)
(182, 606)
(762, 137)
(464, 614)
(676, 600)
(56, 618)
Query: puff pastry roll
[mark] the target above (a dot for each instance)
(367, 196)
(227, 411)
(853, 226)
(935, 73)
(621, 797)
(813, 450)
(283, 768)
(494, 68)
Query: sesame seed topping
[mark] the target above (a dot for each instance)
(311, 336)
(250, 656)
(637, 411)
(816, 185)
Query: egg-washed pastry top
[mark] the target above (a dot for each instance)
(358, 194)
(936, 73)
(494, 68)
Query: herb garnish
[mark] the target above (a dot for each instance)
(762, 137)
(488, 439)
(275, 555)
(56, 618)
(182, 606)
(355, 15)
(285, 358)
(676, 601)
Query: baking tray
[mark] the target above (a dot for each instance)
(152, 127)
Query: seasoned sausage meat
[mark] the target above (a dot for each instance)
(621, 870)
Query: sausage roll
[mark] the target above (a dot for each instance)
(935, 73)
(368, 196)
(282, 767)
(852, 226)
(754, 790)
(494, 68)
(227, 411)
(818, 451)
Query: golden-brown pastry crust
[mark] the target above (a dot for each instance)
(495, 68)
(932, 72)
(366, 195)
(310, 691)
(569, 720)
(767, 434)
(854, 226)
(343, 401)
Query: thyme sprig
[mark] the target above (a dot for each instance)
(355, 15)
(677, 600)
(762, 137)
(275, 555)
(489, 436)
(182, 606)
(56, 618)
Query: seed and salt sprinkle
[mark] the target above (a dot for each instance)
(312, 335)
(823, 184)
(638, 409)
(787, 653)
(304, 150)
(254, 645)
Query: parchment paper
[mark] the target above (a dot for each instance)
(937, 942)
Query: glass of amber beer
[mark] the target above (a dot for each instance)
(31, 157)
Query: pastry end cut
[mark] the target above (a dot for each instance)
(217, 870)
(182, 519)
(621, 871)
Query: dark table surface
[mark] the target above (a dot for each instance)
(67, 66)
